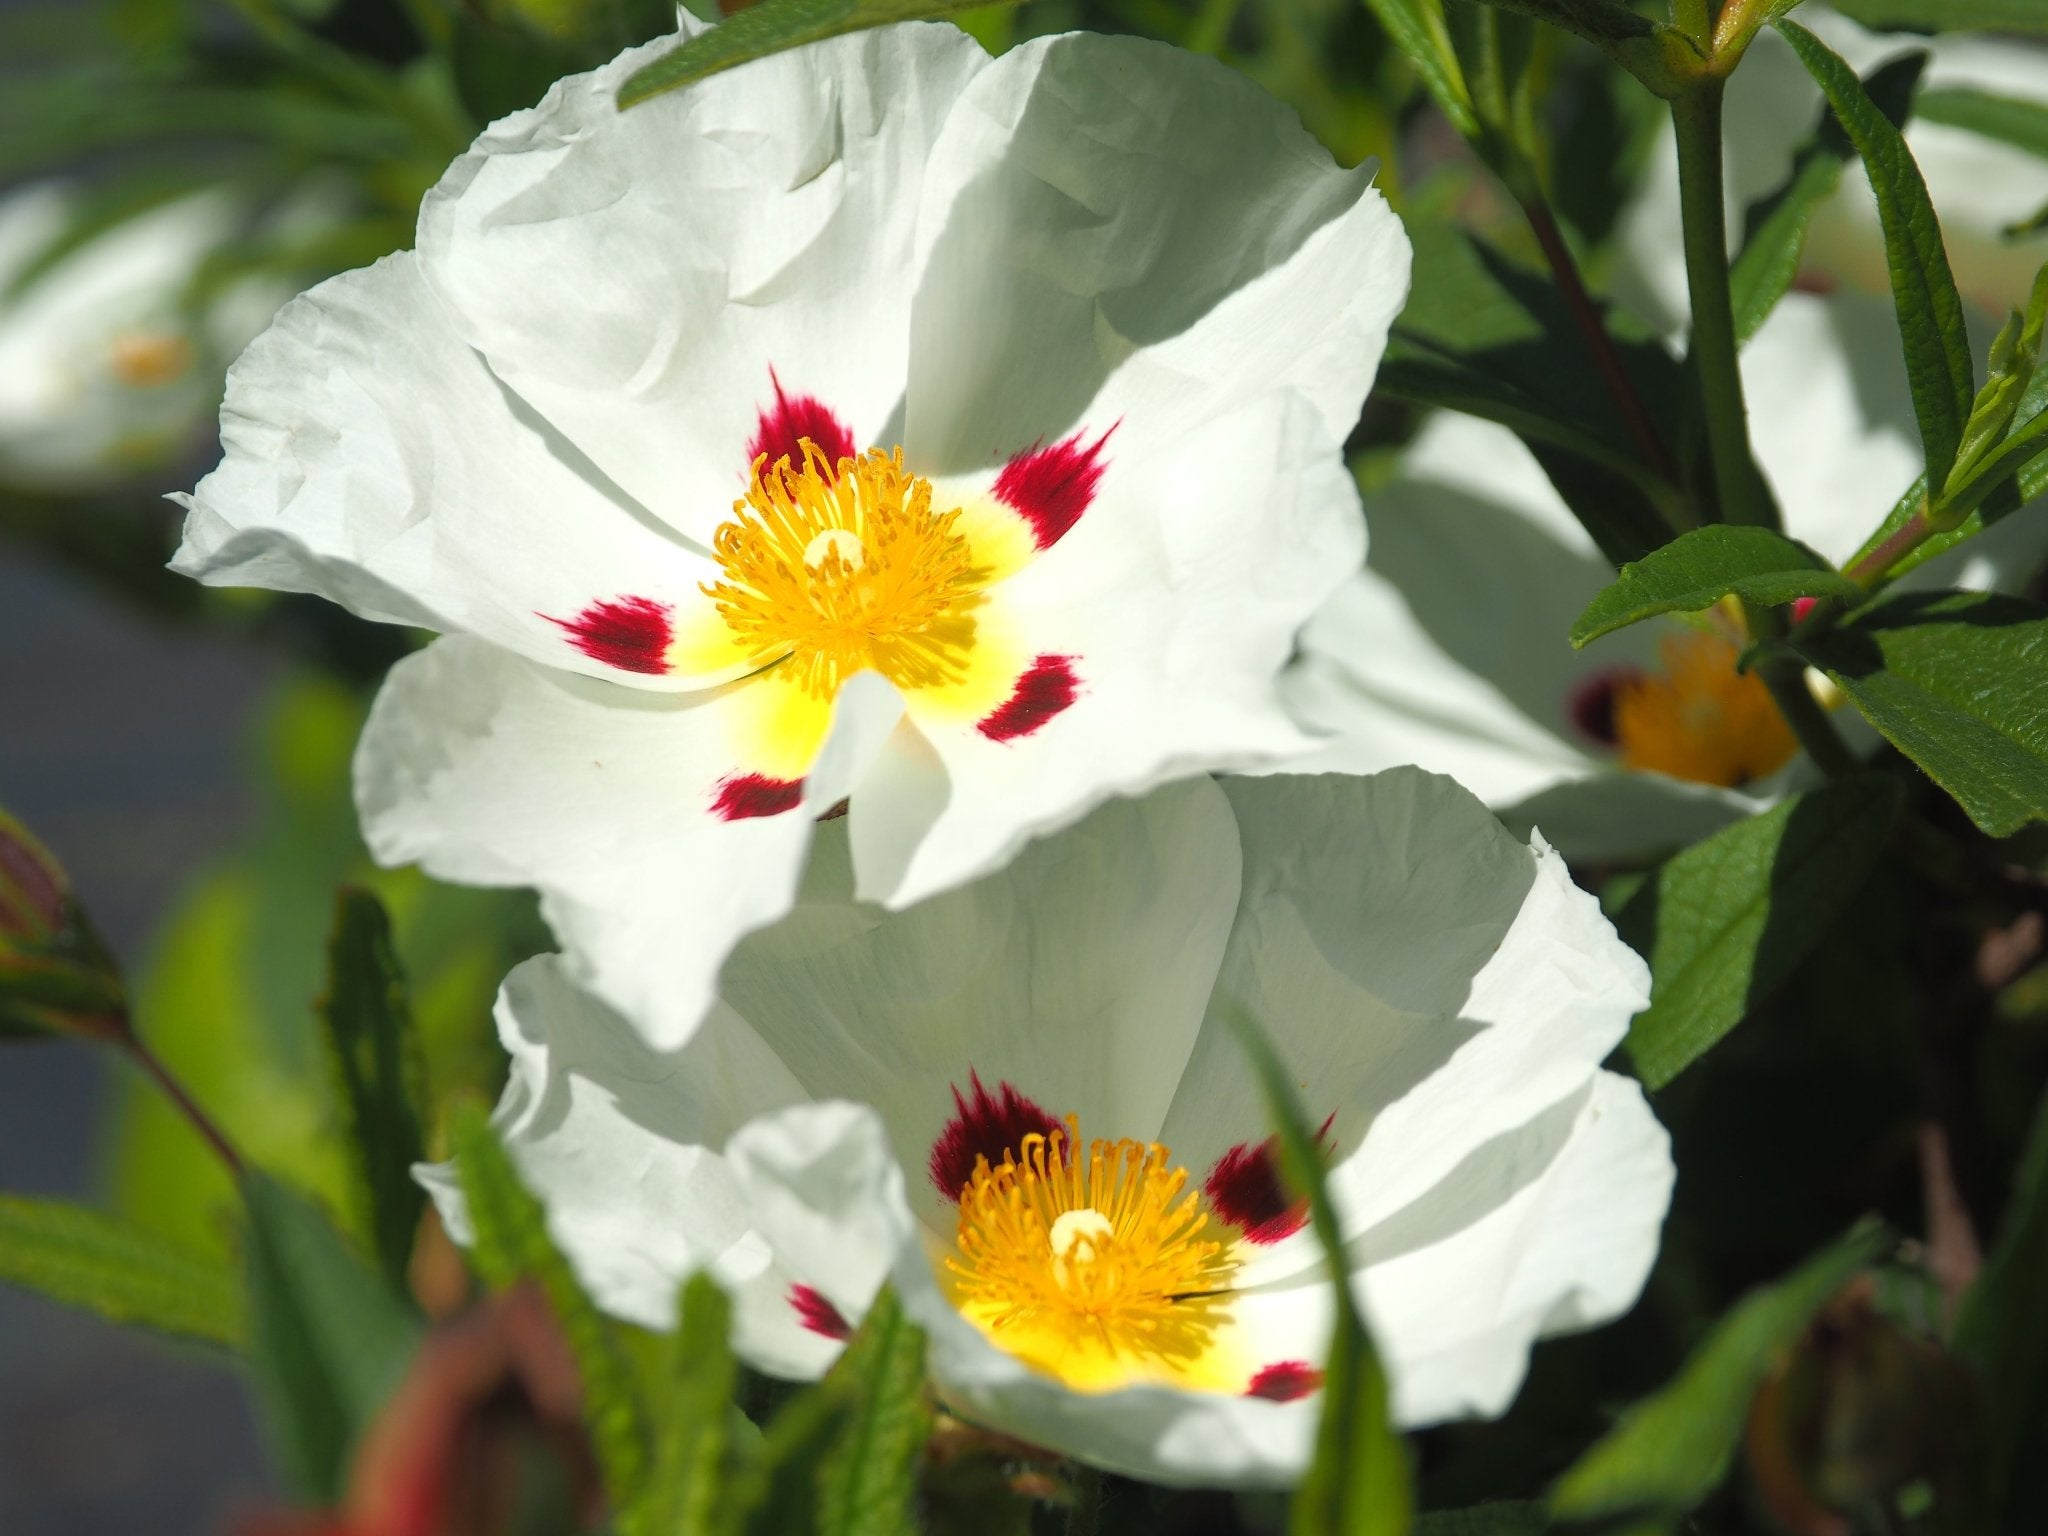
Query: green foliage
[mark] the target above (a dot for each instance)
(701, 1444)
(1417, 28)
(1930, 311)
(2022, 124)
(2002, 1331)
(1660, 56)
(1724, 922)
(1775, 227)
(1506, 1517)
(1948, 15)
(1358, 1483)
(1672, 1449)
(329, 1340)
(1958, 681)
(868, 1479)
(1704, 565)
(512, 1244)
(376, 1061)
(769, 27)
(84, 1258)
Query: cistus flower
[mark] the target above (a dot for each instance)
(108, 364)
(1450, 648)
(1055, 1149)
(1989, 194)
(877, 420)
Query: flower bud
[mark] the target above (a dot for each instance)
(56, 977)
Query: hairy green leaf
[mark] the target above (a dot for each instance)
(1775, 227)
(512, 1243)
(1673, 1448)
(328, 1339)
(1704, 565)
(1724, 922)
(2008, 119)
(1948, 15)
(85, 1258)
(867, 1481)
(1660, 56)
(770, 27)
(1417, 29)
(1958, 681)
(1358, 1483)
(1930, 311)
(369, 1030)
(700, 1484)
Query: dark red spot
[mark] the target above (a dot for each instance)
(1590, 704)
(1245, 1189)
(818, 1314)
(755, 794)
(1047, 687)
(1284, 1381)
(630, 633)
(1051, 487)
(994, 1123)
(793, 417)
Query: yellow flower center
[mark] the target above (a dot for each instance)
(1104, 1270)
(146, 359)
(834, 569)
(1699, 718)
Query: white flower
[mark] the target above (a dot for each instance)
(1980, 187)
(1016, 384)
(1449, 649)
(1443, 994)
(106, 367)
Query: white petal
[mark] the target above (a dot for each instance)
(637, 274)
(1177, 597)
(488, 770)
(1114, 230)
(374, 459)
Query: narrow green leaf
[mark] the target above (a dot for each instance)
(699, 1485)
(1660, 56)
(770, 27)
(1704, 565)
(2002, 1331)
(1724, 922)
(1673, 1448)
(1775, 227)
(1418, 30)
(1358, 1483)
(868, 1479)
(85, 1258)
(784, 1493)
(512, 1243)
(2008, 119)
(1930, 311)
(1948, 15)
(375, 1056)
(1958, 681)
(329, 1341)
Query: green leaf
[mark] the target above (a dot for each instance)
(368, 1020)
(1775, 227)
(699, 1484)
(2002, 1331)
(2008, 119)
(1417, 28)
(1673, 1448)
(1660, 56)
(1930, 312)
(512, 1244)
(1948, 15)
(1724, 922)
(1958, 681)
(784, 1496)
(1702, 566)
(770, 27)
(84, 1258)
(1505, 1517)
(867, 1481)
(1358, 1483)
(329, 1341)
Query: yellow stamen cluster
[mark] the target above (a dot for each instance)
(1102, 1269)
(1699, 718)
(840, 568)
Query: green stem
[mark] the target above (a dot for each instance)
(1785, 677)
(1696, 114)
(1907, 537)
(1084, 1514)
(187, 1106)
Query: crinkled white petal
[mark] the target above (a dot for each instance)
(373, 458)
(1177, 598)
(486, 769)
(636, 275)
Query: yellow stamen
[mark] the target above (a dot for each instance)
(834, 569)
(1699, 718)
(145, 359)
(1104, 1270)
